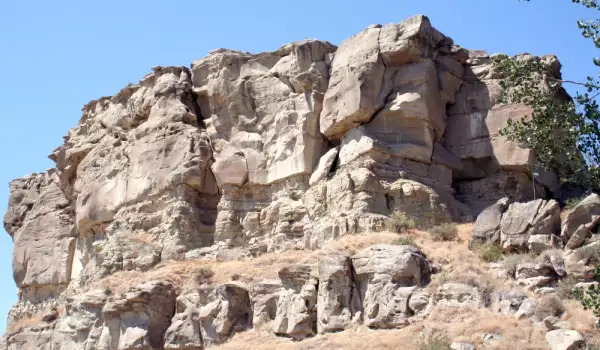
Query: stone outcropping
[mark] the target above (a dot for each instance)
(243, 154)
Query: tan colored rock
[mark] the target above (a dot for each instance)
(564, 339)
(338, 301)
(324, 166)
(458, 295)
(387, 276)
(296, 314)
(584, 213)
(523, 220)
(354, 88)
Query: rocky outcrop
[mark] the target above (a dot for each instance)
(518, 227)
(243, 154)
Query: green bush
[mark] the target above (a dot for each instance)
(445, 232)
(404, 240)
(490, 253)
(399, 222)
(590, 297)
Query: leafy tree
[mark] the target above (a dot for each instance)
(563, 132)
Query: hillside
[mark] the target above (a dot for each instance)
(310, 197)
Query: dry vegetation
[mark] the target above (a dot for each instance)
(457, 264)
(23, 323)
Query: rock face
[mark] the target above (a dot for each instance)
(518, 227)
(244, 154)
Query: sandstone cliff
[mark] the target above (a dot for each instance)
(244, 154)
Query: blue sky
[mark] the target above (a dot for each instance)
(57, 55)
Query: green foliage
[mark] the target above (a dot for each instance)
(572, 202)
(404, 240)
(399, 222)
(445, 232)
(590, 298)
(490, 253)
(562, 132)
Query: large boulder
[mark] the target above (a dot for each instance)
(564, 339)
(523, 220)
(296, 315)
(387, 275)
(580, 221)
(338, 301)
(487, 225)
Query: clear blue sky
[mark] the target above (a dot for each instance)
(57, 55)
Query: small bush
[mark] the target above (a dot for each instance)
(572, 202)
(565, 288)
(404, 240)
(511, 261)
(590, 253)
(490, 253)
(549, 305)
(399, 222)
(446, 232)
(547, 255)
(436, 342)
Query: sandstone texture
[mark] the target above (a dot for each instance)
(242, 155)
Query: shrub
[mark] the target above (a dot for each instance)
(399, 222)
(511, 261)
(436, 342)
(590, 297)
(404, 240)
(445, 232)
(549, 305)
(490, 253)
(572, 202)
(565, 288)
(589, 253)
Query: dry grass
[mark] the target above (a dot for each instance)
(358, 338)
(446, 232)
(399, 222)
(457, 262)
(190, 273)
(549, 305)
(23, 323)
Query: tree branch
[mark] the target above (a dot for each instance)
(574, 82)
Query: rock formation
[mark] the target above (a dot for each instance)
(243, 154)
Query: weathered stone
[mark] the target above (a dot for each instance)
(523, 220)
(296, 315)
(387, 276)
(228, 313)
(184, 332)
(324, 166)
(584, 213)
(354, 88)
(487, 226)
(462, 346)
(507, 302)
(338, 300)
(458, 295)
(563, 339)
